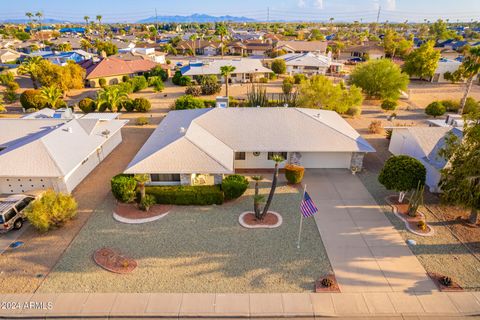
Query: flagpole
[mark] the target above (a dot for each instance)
(301, 218)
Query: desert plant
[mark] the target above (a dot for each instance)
(416, 200)
(141, 180)
(138, 83)
(446, 281)
(261, 214)
(32, 99)
(279, 66)
(225, 72)
(209, 85)
(189, 102)
(102, 82)
(257, 96)
(299, 78)
(146, 202)
(52, 96)
(110, 98)
(234, 186)
(141, 121)
(294, 173)
(51, 211)
(327, 282)
(471, 106)
(375, 127)
(435, 109)
(87, 105)
(354, 111)
(389, 104)
(451, 105)
(142, 105)
(263, 80)
(422, 225)
(123, 187)
(194, 91)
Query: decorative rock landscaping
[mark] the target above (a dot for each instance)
(445, 283)
(129, 213)
(416, 225)
(113, 261)
(272, 220)
(327, 284)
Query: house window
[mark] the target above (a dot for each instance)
(239, 155)
(282, 154)
(165, 177)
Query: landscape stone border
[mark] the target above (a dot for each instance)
(243, 224)
(138, 221)
(398, 215)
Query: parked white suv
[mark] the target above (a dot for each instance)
(11, 211)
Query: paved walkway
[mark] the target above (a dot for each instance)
(366, 252)
(274, 305)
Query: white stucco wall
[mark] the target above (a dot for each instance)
(10, 185)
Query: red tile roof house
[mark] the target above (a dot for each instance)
(113, 70)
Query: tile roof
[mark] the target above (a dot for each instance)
(113, 67)
(213, 67)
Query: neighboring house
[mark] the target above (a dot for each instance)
(244, 35)
(62, 58)
(53, 153)
(113, 70)
(202, 47)
(246, 70)
(368, 50)
(8, 55)
(444, 66)
(252, 47)
(142, 54)
(310, 64)
(200, 146)
(424, 144)
(302, 46)
(74, 42)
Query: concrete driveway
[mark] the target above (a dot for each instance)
(366, 252)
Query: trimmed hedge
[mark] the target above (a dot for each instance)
(234, 186)
(32, 99)
(142, 105)
(187, 195)
(87, 105)
(124, 187)
(294, 173)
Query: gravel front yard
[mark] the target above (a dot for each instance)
(197, 249)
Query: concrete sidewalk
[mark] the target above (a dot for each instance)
(366, 252)
(288, 305)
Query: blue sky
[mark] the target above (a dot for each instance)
(341, 10)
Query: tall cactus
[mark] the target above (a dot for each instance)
(416, 200)
(257, 96)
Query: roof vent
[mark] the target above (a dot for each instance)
(318, 115)
(181, 130)
(69, 130)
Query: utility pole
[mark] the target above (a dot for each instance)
(378, 14)
(268, 14)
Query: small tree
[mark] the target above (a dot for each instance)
(279, 66)
(402, 174)
(226, 71)
(209, 85)
(435, 109)
(52, 96)
(142, 179)
(51, 211)
(142, 105)
(260, 215)
(188, 102)
(460, 181)
(422, 62)
(380, 79)
(389, 104)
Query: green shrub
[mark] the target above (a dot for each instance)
(157, 84)
(147, 202)
(299, 78)
(471, 106)
(32, 99)
(294, 173)
(87, 105)
(389, 104)
(51, 211)
(209, 85)
(189, 102)
(102, 82)
(193, 90)
(125, 78)
(142, 105)
(354, 111)
(176, 78)
(209, 103)
(138, 83)
(451, 105)
(126, 87)
(402, 173)
(187, 195)
(124, 187)
(127, 105)
(263, 80)
(6, 77)
(158, 71)
(184, 81)
(142, 121)
(234, 186)
(435, 109)
(279, 66)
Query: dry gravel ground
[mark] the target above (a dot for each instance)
(197, 249)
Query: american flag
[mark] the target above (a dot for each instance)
(307, 207)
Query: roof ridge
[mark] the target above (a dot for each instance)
(50, 154)
(329, 126)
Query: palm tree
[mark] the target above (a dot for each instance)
(226, 71)
(30, 16)
(99, 19)
(39, 15)
(110, 98)
(470, 69)
(192, 38)
(86, 18)
(258, 199)
(221, 31)
(260, 214)
(52, 95)
(30, 67)
(85, 45)
(141, 180)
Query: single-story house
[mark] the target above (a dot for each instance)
(113, 70)
(368, 50)
(62, 58)
(201, 47)
(53, 153)
(246, 70)
(8, 55)
(302, 46)
(250, 47)
(310, 64)
(444, 66)
(424, 144)
(199, 146)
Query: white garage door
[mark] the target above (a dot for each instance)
(326, 159)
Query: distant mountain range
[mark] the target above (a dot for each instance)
(195, 18)
(25, 20)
